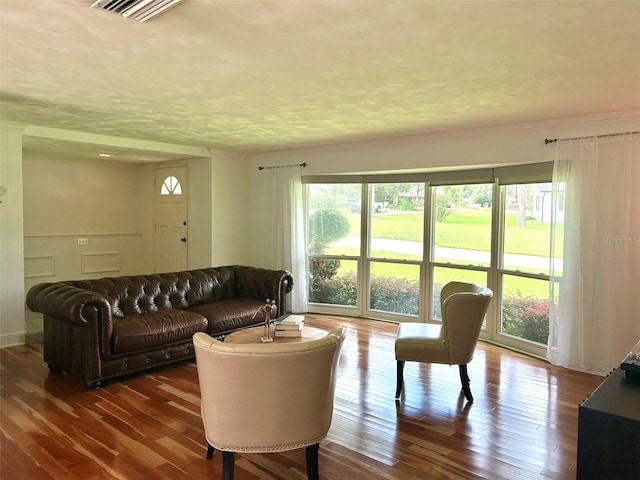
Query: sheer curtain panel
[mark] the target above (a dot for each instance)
(284, 225)
(595, 318)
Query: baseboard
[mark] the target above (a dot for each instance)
(12, 339)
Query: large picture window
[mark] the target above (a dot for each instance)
(384, 247)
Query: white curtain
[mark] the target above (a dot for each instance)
(595, 319)
(284, 225)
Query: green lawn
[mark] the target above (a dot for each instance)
(468, 228)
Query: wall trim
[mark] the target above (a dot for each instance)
(100, 262)
(12, 339)
(39, 266)
(89, 235)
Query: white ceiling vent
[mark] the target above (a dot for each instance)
(141, 10)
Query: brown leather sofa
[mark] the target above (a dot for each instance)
(104, 328)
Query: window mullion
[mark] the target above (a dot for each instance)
(426, 280)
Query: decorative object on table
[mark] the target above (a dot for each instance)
(289, 326)
(269, 309)
(631, 363)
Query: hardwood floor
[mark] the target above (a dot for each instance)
(522, 425)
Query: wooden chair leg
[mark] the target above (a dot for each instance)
(399, 378)
(228, 465)
(210, 450)
(464, 379)
(312, 462)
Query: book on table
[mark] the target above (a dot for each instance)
(290, 319)
(288, 333)
(290, 322)
(289, 326)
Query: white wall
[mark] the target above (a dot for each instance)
(199, 213)
(11, 266)
(75, 196)
(473, 148)
(232, 232)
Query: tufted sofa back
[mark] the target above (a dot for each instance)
(129, 295)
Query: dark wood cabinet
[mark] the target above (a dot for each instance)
(609, 430)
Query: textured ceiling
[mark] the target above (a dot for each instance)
(262, 75)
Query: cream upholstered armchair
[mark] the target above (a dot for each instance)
(267, 397)
(463, 306)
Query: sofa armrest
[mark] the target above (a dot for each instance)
(66, 303)
(262, 283)
(77, 328)
(74, 307)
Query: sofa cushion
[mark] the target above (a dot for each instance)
(149, 330)
(228, 315)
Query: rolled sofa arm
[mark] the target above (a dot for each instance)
(67, 303)
(262, 283)
(77, 328)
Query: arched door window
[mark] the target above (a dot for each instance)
(171, 186)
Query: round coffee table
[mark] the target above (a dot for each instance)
(253, 335)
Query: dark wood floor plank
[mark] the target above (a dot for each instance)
(522, 425)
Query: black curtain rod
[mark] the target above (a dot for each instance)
(285, 166)
(547, 141)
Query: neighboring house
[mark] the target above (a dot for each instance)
(542, 201)
(415, 196)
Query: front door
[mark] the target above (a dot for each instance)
(171, 219)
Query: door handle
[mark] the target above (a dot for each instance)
(183, 239)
